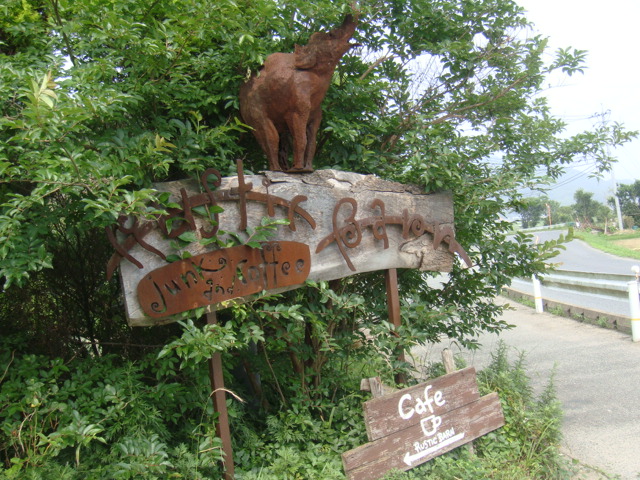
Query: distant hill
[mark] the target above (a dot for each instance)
(573, 180)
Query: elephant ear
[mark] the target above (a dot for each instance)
(304, 57)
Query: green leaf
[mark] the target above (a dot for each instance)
(188, 237)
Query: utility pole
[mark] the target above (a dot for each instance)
(604, 121)
(616, 199)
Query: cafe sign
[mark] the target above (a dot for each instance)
(412, 426)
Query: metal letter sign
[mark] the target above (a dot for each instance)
(339, 223)
(220, 275)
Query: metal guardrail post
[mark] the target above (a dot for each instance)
(634, 306)
(606, 284)
(537, 294)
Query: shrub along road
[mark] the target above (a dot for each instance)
(597, 378)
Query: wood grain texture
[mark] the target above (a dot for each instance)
(409, 447)
(381, 414)
(381, 246)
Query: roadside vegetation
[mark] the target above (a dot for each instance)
(591, 221)
(624, 244)
(586, 213)
(106, 418)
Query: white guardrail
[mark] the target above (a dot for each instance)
(609, 284)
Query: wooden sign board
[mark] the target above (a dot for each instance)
(347, 223)
(411, 426)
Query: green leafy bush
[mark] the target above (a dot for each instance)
(92, 113)
(109, 418)
(103, 417)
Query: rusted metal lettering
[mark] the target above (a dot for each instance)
(181, 219)
(347, 229)
(221, 275)
(349, 222)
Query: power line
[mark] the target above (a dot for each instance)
(573, 178)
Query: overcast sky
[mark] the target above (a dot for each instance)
(611, 82)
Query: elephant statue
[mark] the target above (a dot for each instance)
(282, 103)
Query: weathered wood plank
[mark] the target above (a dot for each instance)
(410, 447)
(376, 387)
(352, 223)
(384, 415)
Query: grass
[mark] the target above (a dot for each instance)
(609, 243)
(557, 310)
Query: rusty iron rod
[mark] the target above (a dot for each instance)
(393, 309)
(220, 405)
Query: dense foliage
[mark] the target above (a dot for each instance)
(443, 94)
(101, 418)
(99, 99)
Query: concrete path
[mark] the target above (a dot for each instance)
(597, 380)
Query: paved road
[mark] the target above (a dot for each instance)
(597, 379)
(580, 257)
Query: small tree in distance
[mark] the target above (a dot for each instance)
(532, 211)
(589, 211)
(629, 195)
(561, 214)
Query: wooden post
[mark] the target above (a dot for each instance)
(448, 361)
(449, 367)
(220, 406)
(393, 308)
(375, 386)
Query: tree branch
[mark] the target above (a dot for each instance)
(374, 65)
(456, 113)
(56, 13)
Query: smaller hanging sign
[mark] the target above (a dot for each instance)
(220, 275)
(412, 426)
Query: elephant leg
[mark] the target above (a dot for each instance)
(312, 133)
(298, 128)
(269, 140)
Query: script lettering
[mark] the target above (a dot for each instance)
(182, 219)
(222, 275)
(348, 232)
